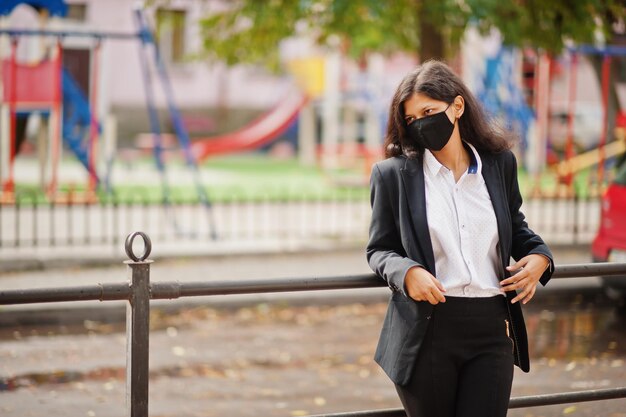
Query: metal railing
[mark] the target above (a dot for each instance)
(138, 291)
(30, 223)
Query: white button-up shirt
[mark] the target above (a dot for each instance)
(463, 229)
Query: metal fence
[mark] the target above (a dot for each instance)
(139, 291)
(28, 223)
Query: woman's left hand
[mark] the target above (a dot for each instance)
(529, 270)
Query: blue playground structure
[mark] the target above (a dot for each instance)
(80, 125)
(77, 118)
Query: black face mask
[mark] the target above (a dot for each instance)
(432, 132)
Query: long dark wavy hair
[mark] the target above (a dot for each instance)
(437, 80)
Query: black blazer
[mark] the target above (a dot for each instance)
(399, 239)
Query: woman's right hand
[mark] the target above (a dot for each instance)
(421, 285)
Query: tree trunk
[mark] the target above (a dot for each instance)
(432, 44)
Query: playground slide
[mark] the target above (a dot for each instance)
(258, 133)
(76, 118)
(590, 158)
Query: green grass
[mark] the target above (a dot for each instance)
(257, 178)
(234, 179)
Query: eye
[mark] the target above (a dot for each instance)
(427, 112)
(409, 119)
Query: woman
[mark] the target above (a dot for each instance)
(445, 222)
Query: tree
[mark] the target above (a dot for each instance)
(249, 31)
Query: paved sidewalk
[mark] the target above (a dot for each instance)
(47, 258)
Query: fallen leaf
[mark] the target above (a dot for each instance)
(319, 401)
(178, 351)
(569, 410)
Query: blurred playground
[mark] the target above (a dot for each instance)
(109, 107)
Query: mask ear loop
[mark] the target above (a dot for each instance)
(446, 109)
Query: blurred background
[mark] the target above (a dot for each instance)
(218, 103)
(240, 135)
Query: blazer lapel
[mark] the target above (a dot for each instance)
(495, 187)
(414, 188)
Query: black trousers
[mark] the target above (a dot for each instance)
(465, 364)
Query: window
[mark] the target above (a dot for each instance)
(170, 34)
(77, 11)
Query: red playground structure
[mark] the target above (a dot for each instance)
(28, 89)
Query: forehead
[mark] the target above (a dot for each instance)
(418, 102)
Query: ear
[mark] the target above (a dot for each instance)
(459, 106)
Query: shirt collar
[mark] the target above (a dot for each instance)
(476, 165)
(430, 162)
(434, 166)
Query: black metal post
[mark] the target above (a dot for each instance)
(138, 328)
(115, 221)
(51, 222)
(576, 210)
(87, 236)
(18, 204)
(70, 219)
(104, 213)
(35, 227)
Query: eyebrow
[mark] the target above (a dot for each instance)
(424, 107)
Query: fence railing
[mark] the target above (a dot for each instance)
(29, 223)
(138, 291)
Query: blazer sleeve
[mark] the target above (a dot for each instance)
(385, 253)
(525, 241)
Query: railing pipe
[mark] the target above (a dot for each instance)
(169, 290)
(387, 412)
(192, 289)
(589, 270)
(517, 402)
(568, 397)
(101, 292)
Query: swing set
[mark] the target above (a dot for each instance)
(47, 88)
(574, 163)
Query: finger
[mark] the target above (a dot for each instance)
(510, 280)
(522, 294)
(515, 266)
(507, 281)
(432, 299)
(514, 282)
(530, 295)
(439, 296)
(416, 295)
(438, 284)
(518, 285)
(520, 274)
(511, 288)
